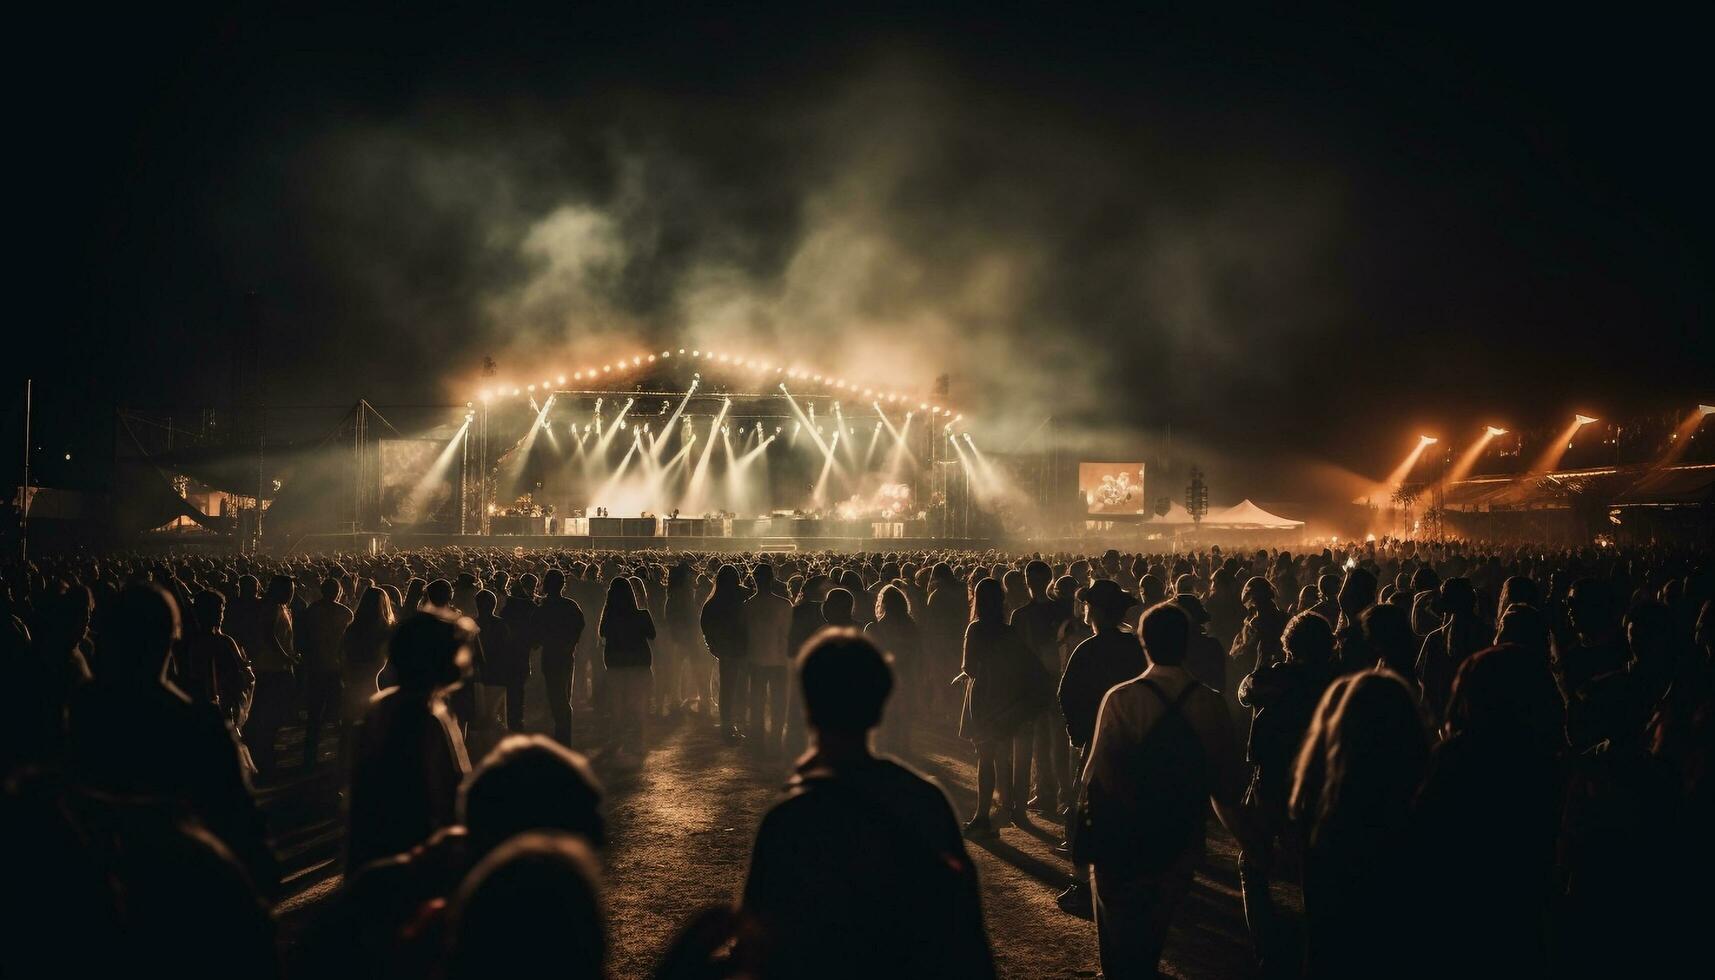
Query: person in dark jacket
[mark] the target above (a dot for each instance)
(132, 733)
(1108, 658)
(1283, 696)
(806, 622)
(859, 871)
(319, 631)
(558, 625)
(724, 631)
(504, 665)
(626, 631)
(1006, 687)
(410, 755)
(1205, 659)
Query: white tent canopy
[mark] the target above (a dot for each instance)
(1248, 516)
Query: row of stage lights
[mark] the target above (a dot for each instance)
(1550, 457)
(1578, 422)
(760, 367)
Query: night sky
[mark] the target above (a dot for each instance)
(1292, 236)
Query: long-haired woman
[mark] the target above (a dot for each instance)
(626, 629)
(1363, 759)
(895, 632)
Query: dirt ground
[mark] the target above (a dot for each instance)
(681, 830)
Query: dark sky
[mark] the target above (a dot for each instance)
(1287, 234)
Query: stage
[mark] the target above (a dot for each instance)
(373, 543)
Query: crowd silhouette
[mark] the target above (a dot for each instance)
(1467, 758)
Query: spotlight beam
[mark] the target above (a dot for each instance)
(418, 498)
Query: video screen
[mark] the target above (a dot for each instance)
(1111, 488)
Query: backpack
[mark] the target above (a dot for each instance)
(1157, 811)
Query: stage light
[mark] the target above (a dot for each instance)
(923, 407)
(605, 368)
(652, 358)
(546, 385)
(1428, 440)
(485, 396)
(818, 379)
(516, 392)
(681, 350)
(782, 386)
(635, 361)
(1706, 409)
(531, 387)
(1585, 419)
(1493, 431)
(959, 418)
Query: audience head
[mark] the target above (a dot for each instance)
(431, 650)
(1165, 632)
(534, 899)
(837, 607)
(845, 681)
(1309, 639)
(531, 782)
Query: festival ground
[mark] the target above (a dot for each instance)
(681, 828)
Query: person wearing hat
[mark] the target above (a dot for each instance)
(1204, 658)
(1110, 657)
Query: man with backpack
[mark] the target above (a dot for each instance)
(1163, 751)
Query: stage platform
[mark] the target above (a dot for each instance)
(569, 542)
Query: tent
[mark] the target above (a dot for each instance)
(1248, 516)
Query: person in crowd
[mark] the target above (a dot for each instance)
(1387, 635)
(1597, 644)
(1354, 784)
(767, 621)
(1283, 697)
(626, 630)
(1226, 610)
(1111, 656)
(504, 670)
(211, 667)
(1037, 621)
(557, 624)
(1162, 753)
(1486, 818)
(1207, 659)
(409, 756)
(390, 918)
(262, 625)
(362, 652)
(723, 626)
(320, 632)
(1006, 687)
(895, 632)
(1460, 634)
(131, 733)
(1357, 593)
(860, 871)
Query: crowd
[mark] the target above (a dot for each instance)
(1471, 758)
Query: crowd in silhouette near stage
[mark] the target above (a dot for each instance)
(1468, 759)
